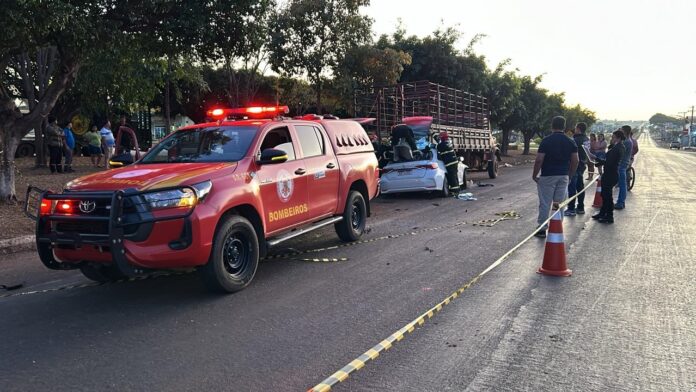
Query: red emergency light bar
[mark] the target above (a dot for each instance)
(250, 112)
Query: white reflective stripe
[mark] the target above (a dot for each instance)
(554, 238)
(557, 216)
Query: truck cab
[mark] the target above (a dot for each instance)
(213, 196)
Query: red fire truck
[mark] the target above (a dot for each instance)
(214, 196)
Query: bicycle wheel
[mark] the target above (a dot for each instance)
(630, 177)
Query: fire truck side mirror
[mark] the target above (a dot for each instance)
(271, 156)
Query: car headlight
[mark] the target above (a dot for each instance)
(202, 189)
(173, 198)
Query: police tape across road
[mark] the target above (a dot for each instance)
(358, 363)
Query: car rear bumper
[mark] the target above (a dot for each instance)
(410, 185)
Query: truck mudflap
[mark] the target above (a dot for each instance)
(39, 205)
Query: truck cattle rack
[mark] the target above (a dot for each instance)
(465, 117)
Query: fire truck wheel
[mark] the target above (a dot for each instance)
(234, 257)
(352, 226)
(101, 273)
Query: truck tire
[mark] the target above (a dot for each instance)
(233, 258)
(444, 192)
(101, 273)
(493, 168)
(352, 226)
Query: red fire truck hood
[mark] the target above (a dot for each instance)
(151, 176)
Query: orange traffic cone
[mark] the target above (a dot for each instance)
(554, 254)
(597, 203)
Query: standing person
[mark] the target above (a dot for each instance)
(108, 143)
(610, 177)
(68, 148)
(55, 145)
(600, 150)
(445, 152)
(591, 147)
(623, 167)
(94, 145)
(557, 159)
(577, 183)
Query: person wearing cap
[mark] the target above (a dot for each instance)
(445, 152)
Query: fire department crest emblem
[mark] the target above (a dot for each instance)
(285, 186)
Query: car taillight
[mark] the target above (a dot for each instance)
(64, 207)
(431, 165)
(45, 208)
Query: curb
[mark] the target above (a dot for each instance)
(17, 244)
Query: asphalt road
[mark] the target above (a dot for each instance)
(624, 320)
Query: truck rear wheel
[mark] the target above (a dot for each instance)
(352, 226)
(493, 168)
(234, 257)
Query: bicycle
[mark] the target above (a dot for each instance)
(630, 177)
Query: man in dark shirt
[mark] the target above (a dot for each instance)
(557, 159)
(576, 181)
(610, 177)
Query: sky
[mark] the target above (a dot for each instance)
(623, 59)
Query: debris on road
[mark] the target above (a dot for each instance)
(466, 196)
(481, 184)
(11, 287)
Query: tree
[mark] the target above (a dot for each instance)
(436, 58)
(503, 90)
(310, 37)
(661, 119)
(72, 30)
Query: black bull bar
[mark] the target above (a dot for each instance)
(116, 221)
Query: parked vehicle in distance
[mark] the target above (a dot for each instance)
(675, 144)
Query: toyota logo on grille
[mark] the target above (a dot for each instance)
(87, 206)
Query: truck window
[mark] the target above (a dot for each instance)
(279, 138)
(311, 140)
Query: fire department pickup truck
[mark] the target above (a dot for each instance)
(214, 196)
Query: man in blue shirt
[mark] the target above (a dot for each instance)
(69, 147)
(557, 159)
(623, 167)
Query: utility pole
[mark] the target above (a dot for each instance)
(691, 124)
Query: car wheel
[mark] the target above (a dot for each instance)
(101, 273)
(352, 226)
(444, 192)
(24, 150)
(234, 256)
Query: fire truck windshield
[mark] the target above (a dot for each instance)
(214, 144)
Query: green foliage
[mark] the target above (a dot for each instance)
(436, 58)
(661, 119)
(310, 37)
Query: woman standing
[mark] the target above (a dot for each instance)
(591, 147)
(610, 177)
(94, 146)
(600, 150)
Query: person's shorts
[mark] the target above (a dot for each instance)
(94, 150)
(601, 155)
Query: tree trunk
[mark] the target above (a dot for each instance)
(319, 111)
(10, 142)
(40, 144)
(527, 140)
(505, 141)
(167, 107)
